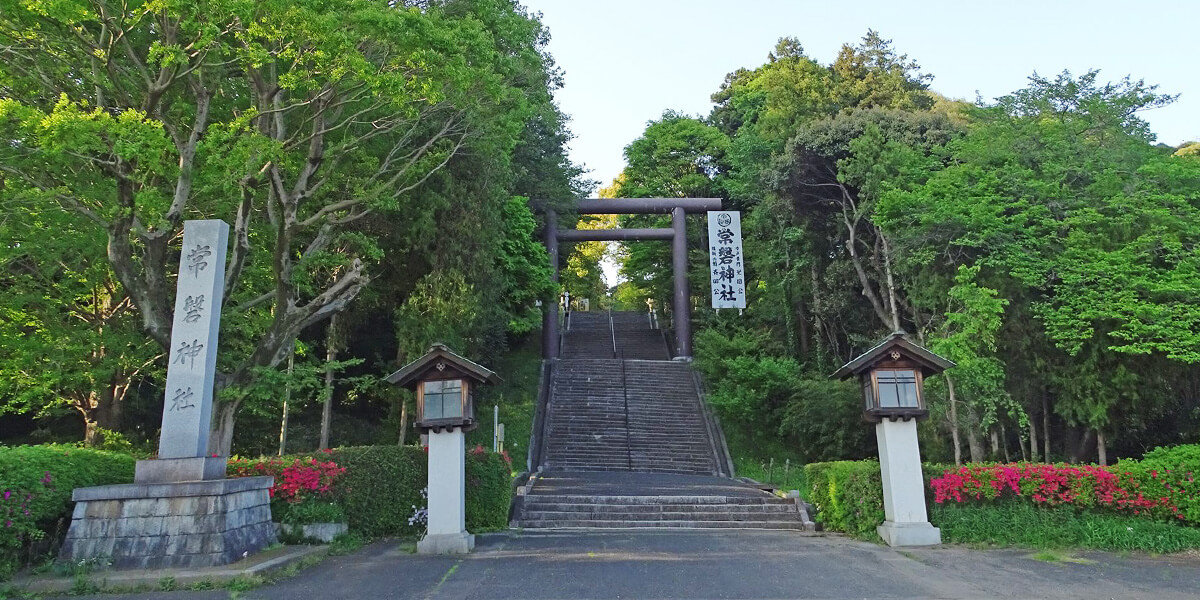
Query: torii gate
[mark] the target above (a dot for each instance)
(676, 207)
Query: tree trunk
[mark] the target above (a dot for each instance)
(1033, 440)
(1046, 424)
(802, 319)
(287, 398)
(954, 421)
(331, 352)
(1101, 448)
(91, 433)
(403, 421)
(101, 410)
(1082, 446)
(863, 279)
(891, 282)
(974, 442)
(994, 438)
(1004, 443)
(221, 442)
(818, 323)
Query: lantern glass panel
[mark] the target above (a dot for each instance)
(868, 392)
(897, 389)
(443, 399)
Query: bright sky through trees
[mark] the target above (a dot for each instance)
(628, 60)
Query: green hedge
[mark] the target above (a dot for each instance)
(489, 491)
(1169, 473)
(22, 472)
(1021, 524)
(849, 498)
(382, 485)
(848, 495)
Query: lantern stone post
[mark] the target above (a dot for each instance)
(444, 382)
(892, 376)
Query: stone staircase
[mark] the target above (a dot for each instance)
(667, 432)
(627, 442)
(625, 500)
(588, 336)
(631, 415)
(588, 426)
(636, 340)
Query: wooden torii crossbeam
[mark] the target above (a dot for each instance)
(678, 208)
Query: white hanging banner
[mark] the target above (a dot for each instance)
(727, 272)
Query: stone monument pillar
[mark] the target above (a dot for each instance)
(180, 511)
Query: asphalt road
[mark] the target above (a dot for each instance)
(719, 564)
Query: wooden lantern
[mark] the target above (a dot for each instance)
(892, 375)
(444, 382)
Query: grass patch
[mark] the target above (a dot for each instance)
(1056, 556)
(516, 395)
(347, 543)
(245, 583)
(765, 459)
(294, 569)
(1022, 525)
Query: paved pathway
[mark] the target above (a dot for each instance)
(719, 564)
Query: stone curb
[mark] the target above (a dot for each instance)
(262, 564)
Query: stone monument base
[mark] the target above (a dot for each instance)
(909, 534)
(170, 470)
(162, 525)
(446, 543)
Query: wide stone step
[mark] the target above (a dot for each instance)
(693, 524)
(628, 499)
(548, 515)
(566, 464)
(532, 506)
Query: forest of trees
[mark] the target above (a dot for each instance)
(1042, 241)
(374, 161)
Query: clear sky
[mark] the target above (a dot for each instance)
(628, 60)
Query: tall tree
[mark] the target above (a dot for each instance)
(292, 120)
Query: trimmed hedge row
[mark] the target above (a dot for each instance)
(1169, 473)
(1027, 525)
(35, 491)
(848, 495)
(381, 486)
(1161, 487)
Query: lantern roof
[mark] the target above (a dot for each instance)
(439, 357)
(931, 364)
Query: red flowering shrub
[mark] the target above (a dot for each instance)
(1084, 486)
(296, 479)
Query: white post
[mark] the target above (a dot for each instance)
(907, 523)
(495, 428)
(447, 531)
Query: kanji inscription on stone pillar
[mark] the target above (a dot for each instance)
(187, 412)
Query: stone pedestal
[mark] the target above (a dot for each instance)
(170, 470)
(447, 531)
(907, 522)
(161, 525)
